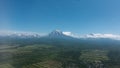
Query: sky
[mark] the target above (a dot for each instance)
(77, 16)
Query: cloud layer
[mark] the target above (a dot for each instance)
(98, 35)
(93, 35)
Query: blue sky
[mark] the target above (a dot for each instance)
(78, 16)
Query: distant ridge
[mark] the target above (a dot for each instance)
(19, 34)
(58, 34)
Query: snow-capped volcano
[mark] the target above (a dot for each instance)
(56, 33)
(60, 33)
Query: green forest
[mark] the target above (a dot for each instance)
(59, 54)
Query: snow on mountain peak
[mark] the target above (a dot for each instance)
(56, 32)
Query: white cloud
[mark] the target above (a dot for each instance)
(98, 35)
(67, 33)
(20, 33)
(94, 35)
(71, 34)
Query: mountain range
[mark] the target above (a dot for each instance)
(58, 34)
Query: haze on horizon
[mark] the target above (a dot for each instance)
(77, 16)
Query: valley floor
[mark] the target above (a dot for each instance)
(50, 56)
